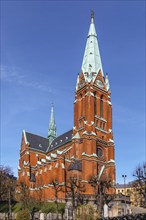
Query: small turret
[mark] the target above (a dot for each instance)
(107, 82)
(52, 127)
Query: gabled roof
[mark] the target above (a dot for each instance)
(77, 165)
(40, 143)
(37, 142)
(61, 140)
(128, 185)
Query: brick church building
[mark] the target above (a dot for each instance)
(84, 151)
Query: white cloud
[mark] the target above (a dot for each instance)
(15, 75)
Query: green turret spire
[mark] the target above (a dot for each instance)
(52, 127)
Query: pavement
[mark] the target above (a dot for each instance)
(138, 210)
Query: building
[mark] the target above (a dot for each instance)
(134, 191)
(84, 151)
(119, 206)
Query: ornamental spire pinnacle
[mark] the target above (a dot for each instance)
(92, 16)
(52, 126)
(107, 82)
(91, 64)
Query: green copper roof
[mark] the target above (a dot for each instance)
(52, 126)
(91, 61)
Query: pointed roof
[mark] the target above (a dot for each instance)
(61, 140)
(76, 136)
(91, 61)
(77, 165)
(52, 125)
(37, 142)
(107, 82)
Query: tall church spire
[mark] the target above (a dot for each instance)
(91, 61)
(52, 126)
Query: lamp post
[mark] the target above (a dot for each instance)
(144, 174)
(124, 176)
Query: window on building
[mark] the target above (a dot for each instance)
(80, 105)
(101, 106)
(99, 152)
(103, 126)
(119, 212)
(94, 103)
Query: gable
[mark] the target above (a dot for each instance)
(41, 144)
(37, 142)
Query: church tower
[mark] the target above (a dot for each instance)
(92, 132)
(83, 152)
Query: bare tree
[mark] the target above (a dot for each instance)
(57, 188)
(7, 186)
(8, 183)
(140, 183)
(74, 189)
(100, 189)
(25, 197)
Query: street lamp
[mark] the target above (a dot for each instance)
(124, 176)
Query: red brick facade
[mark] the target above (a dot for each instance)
(85, 151)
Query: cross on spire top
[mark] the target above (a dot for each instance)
(92, 16)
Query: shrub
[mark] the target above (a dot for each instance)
(23, 215)
(87, 212)
(61, 208)
(48, 207)
(17, 207)
(4, 207)
(51, 207)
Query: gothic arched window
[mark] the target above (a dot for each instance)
(80, 106)
(101, 106)
(99, 152)
(94, 103)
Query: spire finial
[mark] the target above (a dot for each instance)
(52, 106)
(92, 16)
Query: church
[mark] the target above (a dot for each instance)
(84, 151)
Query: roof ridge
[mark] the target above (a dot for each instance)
(46, 137)
(63, 133)
(35, 134)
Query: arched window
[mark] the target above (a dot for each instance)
(84, 104)
(80, 106)
(99, 152)
(94, 103)
(101, 106)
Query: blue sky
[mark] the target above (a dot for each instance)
(42, 46)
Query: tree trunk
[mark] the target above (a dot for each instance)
(9, 201)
